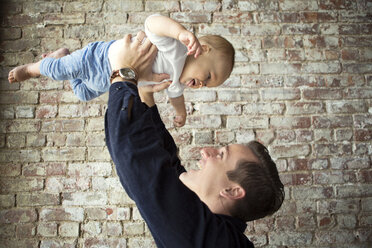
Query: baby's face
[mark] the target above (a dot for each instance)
(209, 69)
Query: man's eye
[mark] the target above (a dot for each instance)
(222, 154)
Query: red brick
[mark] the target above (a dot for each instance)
(234, 18)
(190, 152)
(357, 41)
(343, 134)
(191, 17)
(318, 164)
(358, 93)
(306, 222)
(329, 67)
(350, 54)
(322, 94)
(289, 151)
(290, 122)
(350, 163)
(21, 243)
(75, 18)
(10, 33)
(311, 193)
(62, 214)
(62, 125)
(363, 135)
(357, 68)
(108, 242)
(285, 136)
(365, 176)
(334, 177)
(46, 112)
(296, 179)
(25, 230)
(18, 216)
(50, 97)
(304, 136)
(265, 136)
(351, 107)
(363, 121)
(331, 55)
(310, 81)
(295, 164)
(21, 20)
(355, 16)
(289, 17)
(300, 29)
(33, 169)
(314, 41)
(326, 221)
(295, 55)
(10, 8)
(349, 29)
(264, 225)
(309, 17)
(284, 223)
(37, 199)
(273, 42)
(20, 185)
(332, 121)
(10, 170)
(301, 108)
(332, 149)
(293, 42)
(336, 4)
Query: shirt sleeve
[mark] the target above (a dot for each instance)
(145, 157)
(82, 91)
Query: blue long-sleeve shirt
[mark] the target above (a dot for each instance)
(146, 161)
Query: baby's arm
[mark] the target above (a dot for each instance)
(165, 26)
(179, 105)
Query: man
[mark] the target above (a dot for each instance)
(196, 208)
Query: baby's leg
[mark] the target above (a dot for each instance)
(32, 70)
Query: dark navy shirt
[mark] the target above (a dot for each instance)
(146, 161)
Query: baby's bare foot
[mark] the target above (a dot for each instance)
(24, 72)
(19, 74)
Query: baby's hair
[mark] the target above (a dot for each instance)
(222, 45)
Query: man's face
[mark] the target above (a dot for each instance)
(211, 178)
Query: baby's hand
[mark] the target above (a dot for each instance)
(179, 120)
(191, 42)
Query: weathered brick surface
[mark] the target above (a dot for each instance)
(301, 85)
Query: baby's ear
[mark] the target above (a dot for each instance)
(206, 48)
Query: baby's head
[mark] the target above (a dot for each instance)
(212, 67)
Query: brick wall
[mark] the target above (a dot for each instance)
(302, 85)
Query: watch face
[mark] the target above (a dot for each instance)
(127, 73)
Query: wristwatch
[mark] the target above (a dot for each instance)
(126, 73)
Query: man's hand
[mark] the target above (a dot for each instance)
(139, 56)
(191, 42)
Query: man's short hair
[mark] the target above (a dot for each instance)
(264, 192)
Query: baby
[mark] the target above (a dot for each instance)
(89, 69)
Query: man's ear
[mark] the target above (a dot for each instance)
(234, 193)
